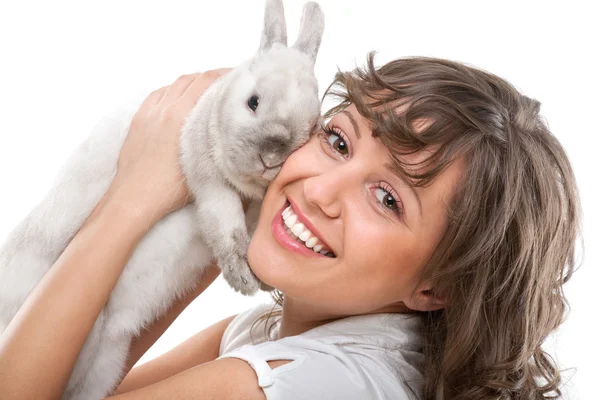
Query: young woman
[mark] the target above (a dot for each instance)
(433, 222)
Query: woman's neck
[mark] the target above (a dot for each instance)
(298, 317)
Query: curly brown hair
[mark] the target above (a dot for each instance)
(513, 221)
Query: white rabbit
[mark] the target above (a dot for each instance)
(232, 144)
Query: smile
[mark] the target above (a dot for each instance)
(299, 231)
(295, 236)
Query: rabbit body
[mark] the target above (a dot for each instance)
(227, 150)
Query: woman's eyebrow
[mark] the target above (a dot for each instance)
(352, 121)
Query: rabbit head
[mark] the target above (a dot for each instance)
(271, 105)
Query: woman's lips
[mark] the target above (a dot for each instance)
(287, 241)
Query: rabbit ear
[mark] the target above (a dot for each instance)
(274, 30)
(311, 30)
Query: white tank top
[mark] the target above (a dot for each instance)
(361, 357)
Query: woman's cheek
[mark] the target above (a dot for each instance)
(301, 163)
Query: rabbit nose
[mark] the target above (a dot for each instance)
(273, 144)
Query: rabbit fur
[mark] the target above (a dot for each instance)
(227, 151)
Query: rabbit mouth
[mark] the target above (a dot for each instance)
(269, 172)
(266, 167)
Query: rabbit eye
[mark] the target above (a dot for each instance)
(253, 102)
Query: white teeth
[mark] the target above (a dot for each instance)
(286, 213)
(310, 243)
(298, 228)
(304, 235)
(291, 221)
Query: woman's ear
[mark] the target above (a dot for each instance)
(425, 299)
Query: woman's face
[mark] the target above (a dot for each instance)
(346, 201)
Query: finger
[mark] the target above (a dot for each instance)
(221, 71)
(154, 97)
(150, 102)
(199, 86)
(176, 89)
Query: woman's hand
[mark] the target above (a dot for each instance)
(149, 177)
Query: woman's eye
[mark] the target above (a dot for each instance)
(336, 141)
(338, 144)
(387, 199)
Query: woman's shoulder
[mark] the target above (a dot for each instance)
(379, 354)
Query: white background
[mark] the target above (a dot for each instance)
(63, 65)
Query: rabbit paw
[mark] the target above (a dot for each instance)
(236, 270)
(264, 287)
(238, 274)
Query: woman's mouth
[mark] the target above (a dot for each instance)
(294, 235)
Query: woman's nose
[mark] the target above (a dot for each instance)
(326, 191)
